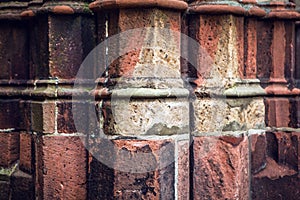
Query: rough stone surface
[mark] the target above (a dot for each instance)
(219, 37)
(61, 163)
(136, 117)
(183, 173)
(133, 169)
(215, 115)
(220, 167)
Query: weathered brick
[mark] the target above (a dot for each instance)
(43, 116)
(277, 112)
(26, 152)
(183, 173)
(277, 154)
(14, 50)
(22, 186)
(132, 169)
(220, 167)
(61, 163)
(9, 148)
(71, 38)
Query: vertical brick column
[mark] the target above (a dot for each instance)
(61, 35)
(229, 103)
(146, 119)
(274, 153)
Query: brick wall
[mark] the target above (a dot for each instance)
(211, 114)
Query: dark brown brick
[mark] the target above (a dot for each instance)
(71, 38)
(9, 114)
(220, 169)
(4, 190)
(14, 50)
(22, 186)
(9, 149)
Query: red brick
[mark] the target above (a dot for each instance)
(43, 117)
(220, 169)
(264, 61)
(250, 48)
(258, 144)
(22, 186)
(9, 114)
(9, 149)
(25, 115)
(277, 112)
(138, 169)
(61, 163)
(183, 177)
(278, 173)
(26, 153)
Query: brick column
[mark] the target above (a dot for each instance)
(229, 104)
(146, 119)
(61, 35)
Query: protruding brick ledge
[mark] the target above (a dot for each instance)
(117, 4)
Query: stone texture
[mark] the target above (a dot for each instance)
(220, 167)
(132, 169)
(217, 114)
(275, 165)
(219, 38)
(43, 117)
(26, 153)
(61, 163)
(9, 148)
(136, 117)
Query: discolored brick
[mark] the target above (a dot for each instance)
(277, 112)
(9, 114)
(220, 169)
(43, 117)
(134, 169)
